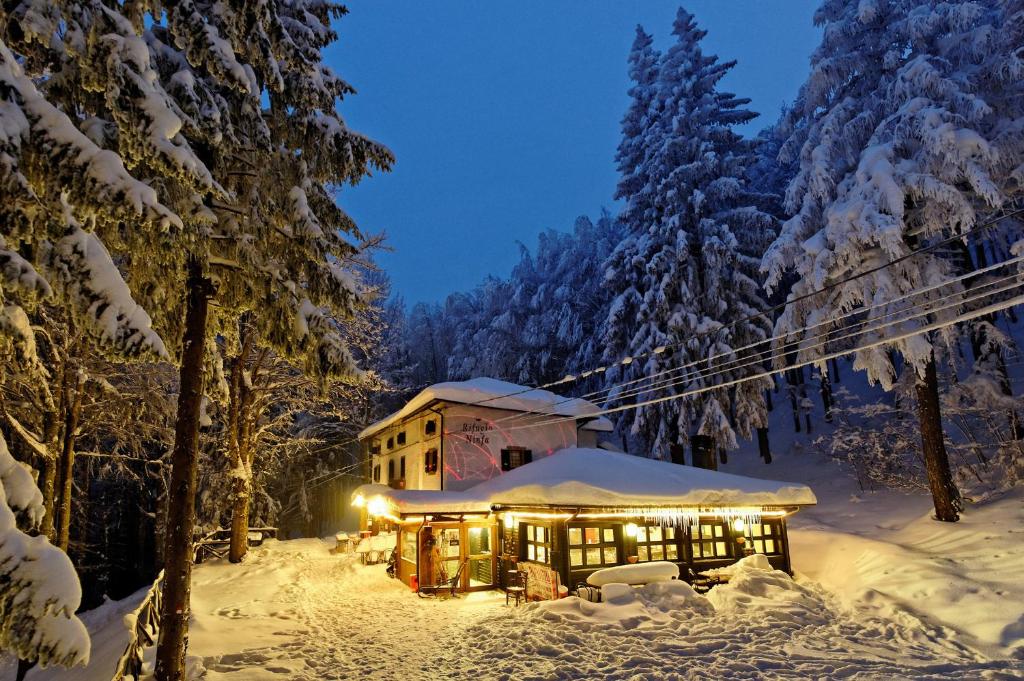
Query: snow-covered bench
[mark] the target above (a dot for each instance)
(635, 574)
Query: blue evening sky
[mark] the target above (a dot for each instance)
(504, 116)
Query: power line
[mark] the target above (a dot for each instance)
(765, 313)
(989, 309)
(766, 354)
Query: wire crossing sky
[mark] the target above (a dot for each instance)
(504, 117)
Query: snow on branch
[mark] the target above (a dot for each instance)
(88, 277)
(62, 156)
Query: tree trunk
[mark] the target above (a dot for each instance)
(763, 446)
(826, 396)
(73, 409)
(836, 378)
(48, 475)
(240, 442)
(173, 639)
(940, 479)
(239, 521)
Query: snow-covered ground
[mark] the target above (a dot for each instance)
(295, 611)
(882, 592)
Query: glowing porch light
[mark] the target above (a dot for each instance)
(631, 529)
(739, 525)
(377, 507)
(359, 501)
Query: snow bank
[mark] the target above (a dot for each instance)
(754, 584)
(495, 394)
(628, 607)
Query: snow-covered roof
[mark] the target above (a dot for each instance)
(582, 477)
(495, 394)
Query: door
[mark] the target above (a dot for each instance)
(479, 552)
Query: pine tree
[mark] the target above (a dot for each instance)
(688, 265)
(902, 139)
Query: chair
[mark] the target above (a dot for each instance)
(516, 586)
(702, 582)
(451, 584)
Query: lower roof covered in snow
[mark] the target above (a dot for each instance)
(595, 478)
(494, 394)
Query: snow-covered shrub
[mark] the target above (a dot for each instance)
(880, 440)
(39, 590)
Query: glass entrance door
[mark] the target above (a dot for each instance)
(448, 552)
(480, 554)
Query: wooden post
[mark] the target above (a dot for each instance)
(181, 493)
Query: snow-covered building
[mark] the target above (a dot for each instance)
(580, 510)
(452, 436)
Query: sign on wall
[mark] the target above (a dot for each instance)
(474, 438)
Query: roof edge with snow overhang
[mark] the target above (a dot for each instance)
(596, 478)
(494, 394)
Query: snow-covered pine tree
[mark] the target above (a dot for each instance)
(569, 304)
(65, 192)
(900, 143)
(687, 268)
(276, 246)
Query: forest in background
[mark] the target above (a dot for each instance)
(195, 330)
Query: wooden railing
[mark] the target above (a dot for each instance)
(146, 617)
(142, 634)
(215, 544)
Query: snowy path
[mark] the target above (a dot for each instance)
(334, 619)
(293, 611)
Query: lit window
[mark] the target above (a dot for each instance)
(654, 542)
(537, 542)
(514, 457)
(709, 540)
(430, 461)
(592, 547)
(765, 537)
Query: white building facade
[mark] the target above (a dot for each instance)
(452, 436)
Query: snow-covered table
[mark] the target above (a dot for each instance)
(375, 549)
(637, 573)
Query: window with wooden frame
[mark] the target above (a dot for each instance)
(430, 427)
(592, 546)
(654, 542)
(536, 543)
(400, 439)
(430, 461)
(401, 468)
(391, 470)
(765, 537)
(514, 457)
(709, 540)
